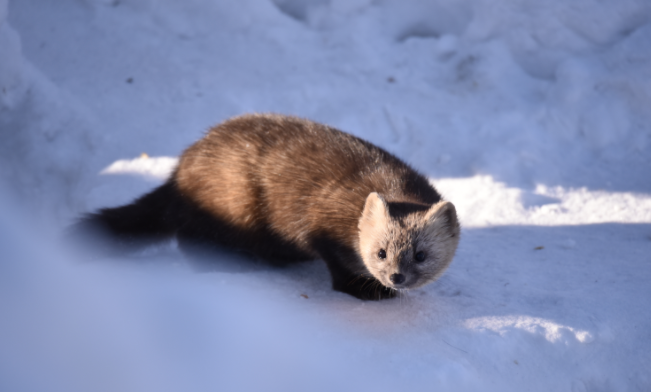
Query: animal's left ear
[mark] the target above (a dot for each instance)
(372, 224)
(443, 215)
(376, 212)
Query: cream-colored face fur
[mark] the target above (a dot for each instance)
(401, 239)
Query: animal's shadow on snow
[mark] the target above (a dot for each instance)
(224, 259)
(508, 261)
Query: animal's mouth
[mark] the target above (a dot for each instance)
(401, 285)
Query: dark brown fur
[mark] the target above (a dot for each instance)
(285, 189)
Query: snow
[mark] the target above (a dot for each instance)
(156, 167)
(531, 117)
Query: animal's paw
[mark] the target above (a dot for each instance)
(366, 289)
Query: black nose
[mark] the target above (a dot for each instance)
(397, 278)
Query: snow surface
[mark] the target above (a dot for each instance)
(533, 118)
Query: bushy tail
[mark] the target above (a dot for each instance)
(114, 231)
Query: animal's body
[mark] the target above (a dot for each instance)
(288, 189)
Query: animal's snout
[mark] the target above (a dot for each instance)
(397, 278)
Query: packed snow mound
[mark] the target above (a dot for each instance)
(558, 90)
(45, 140)
(11, 68)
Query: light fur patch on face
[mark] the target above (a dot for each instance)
(434, 232)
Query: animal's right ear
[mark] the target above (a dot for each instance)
(376, 211)
(443, 215)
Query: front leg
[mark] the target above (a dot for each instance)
(349, 275)
(362, 287)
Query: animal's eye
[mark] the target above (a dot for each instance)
(420, 256)
(382, 254)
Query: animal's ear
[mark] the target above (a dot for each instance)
(376, 211)
(443, 215)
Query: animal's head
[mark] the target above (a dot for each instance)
(406, 245)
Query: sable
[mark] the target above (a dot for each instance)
(288, 189)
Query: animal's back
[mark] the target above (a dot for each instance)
(294, 177)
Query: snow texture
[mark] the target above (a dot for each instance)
(531, 117)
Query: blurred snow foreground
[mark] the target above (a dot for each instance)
(532, 117)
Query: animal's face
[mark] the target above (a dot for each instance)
(408, 249)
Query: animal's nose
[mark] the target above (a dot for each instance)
(397, 278)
